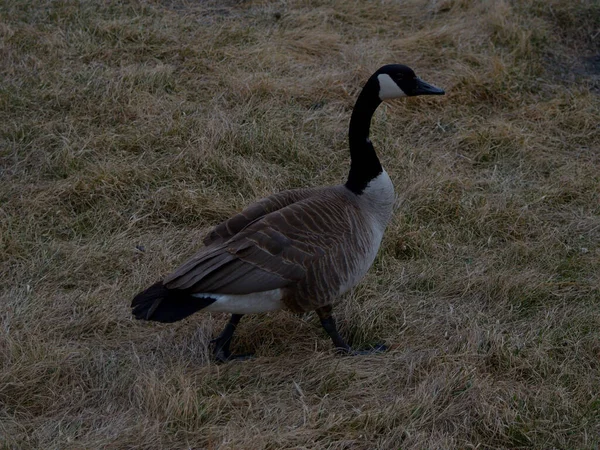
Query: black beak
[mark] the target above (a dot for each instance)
(422, 88)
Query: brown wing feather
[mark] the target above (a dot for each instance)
(217, 267)
(286, 247)
(261, 208)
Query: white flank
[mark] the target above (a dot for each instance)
(388, 88)
(256, 302)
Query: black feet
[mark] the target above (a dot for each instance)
(221, 351)
(341, 346)
(374, 350)
(223, 356)
(222, 342)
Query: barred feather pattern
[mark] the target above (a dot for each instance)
(313, 244)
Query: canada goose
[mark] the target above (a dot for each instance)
(299, 249)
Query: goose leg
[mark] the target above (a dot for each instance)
(222, 342)
(328, 323)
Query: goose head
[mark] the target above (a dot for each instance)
(397, 80)
(389, 82)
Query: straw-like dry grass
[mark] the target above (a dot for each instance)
(127, 129)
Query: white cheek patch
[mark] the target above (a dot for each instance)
(388, 87)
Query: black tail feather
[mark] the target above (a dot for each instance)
(160, 304)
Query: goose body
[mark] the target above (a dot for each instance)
(298, 249)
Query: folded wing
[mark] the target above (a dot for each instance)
(270, 245)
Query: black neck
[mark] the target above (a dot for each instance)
(364, 164)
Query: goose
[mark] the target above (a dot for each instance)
(296, 250)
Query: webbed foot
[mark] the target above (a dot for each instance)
(341, 346)
(374, 350)
(222, 356)
(222, 342)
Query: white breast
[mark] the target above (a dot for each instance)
(256, 302)
(379, 196)
(377, 204)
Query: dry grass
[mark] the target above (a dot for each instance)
(128, 128)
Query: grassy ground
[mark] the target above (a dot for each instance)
(127, 129)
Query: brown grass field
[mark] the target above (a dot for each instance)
(129, 128)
